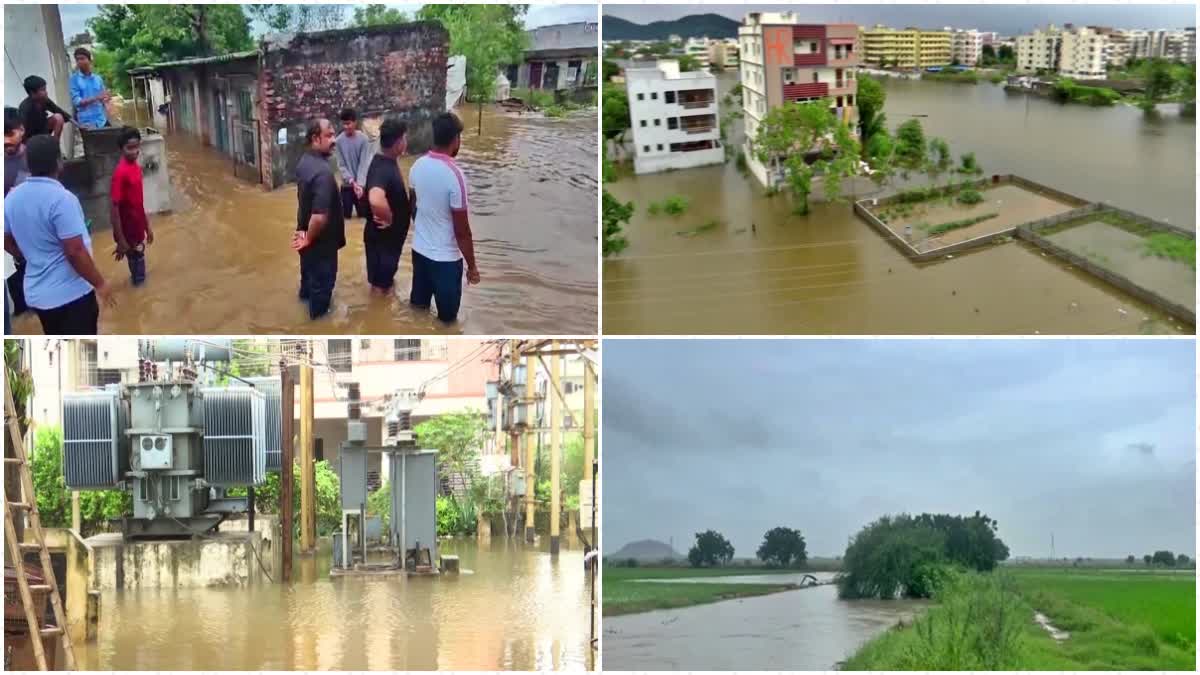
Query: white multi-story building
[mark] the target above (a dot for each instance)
(966, 46)
(697, 48)
(674, 117)
(1082, 54)
(723, 53)
(1181, 45)
(1118, 48)
(1039, 50)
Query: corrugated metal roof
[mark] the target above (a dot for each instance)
(198, 61)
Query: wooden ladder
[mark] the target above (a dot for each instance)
(17, 549)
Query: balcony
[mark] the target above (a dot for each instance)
(792, 92)
(696, 98)
(698, 124)
(816, 59)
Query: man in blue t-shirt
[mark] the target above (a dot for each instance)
(88, 94)
(44, 224)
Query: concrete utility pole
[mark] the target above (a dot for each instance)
(514, 436)
(589, 433)
(287, 394)
(555, 451)
(307, 505)
(530, 448)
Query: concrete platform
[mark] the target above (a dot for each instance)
(222, 559)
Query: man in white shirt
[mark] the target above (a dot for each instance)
(441, 230)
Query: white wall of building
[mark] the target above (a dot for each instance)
(33, 45)
(1083, 55)
(650, 113)
(966, 46)
(1038, 50)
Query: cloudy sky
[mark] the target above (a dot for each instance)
(1091, 441)
(1005, 19)
(74, 17)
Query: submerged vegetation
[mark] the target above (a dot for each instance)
(943, 228)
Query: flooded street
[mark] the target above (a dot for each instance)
(221, 263)
(511, 609)
(807, 629)
(765, 270)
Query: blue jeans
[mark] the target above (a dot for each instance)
(382, 263)
(437, 280)
(137, 266)
(318, 274)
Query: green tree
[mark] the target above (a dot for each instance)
(783, 546)
(489, 36)
(96, 507)
(613, 214)
(892, 556)
(457, 437)
(871, 119)
(377, 15)
(940, 160)
(1164, 558)
(329, 496)
(609, 71)
(284, 18)
(615, 111)
(1148, 559)
(1182, 560)
(911, 146)
(1159, 82)
(1006, 54)
(688, 63)
(1129, 560)
(970, 165)
(789, 133)
(711, 549)
(139, 35)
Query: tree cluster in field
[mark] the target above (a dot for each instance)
(1162, 559)
(781, 547)
(911, 556)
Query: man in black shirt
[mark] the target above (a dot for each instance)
(388, 213)
(320, 228)
(40, 114)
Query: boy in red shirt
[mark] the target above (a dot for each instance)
(131, 227)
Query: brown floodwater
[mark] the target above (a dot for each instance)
(806, 629)
(764, 270)
(221, 263)
(512, 608)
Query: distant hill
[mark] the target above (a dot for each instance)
(645, 550)
(696, 25)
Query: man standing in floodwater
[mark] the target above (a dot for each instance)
(442, 231)
(88, 94)
(353, 150)
(320, 227)
(40, 114)
(388, 214)
(130, 226)
(44, 223)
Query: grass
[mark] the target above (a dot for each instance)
(964, 76)
(1172, 247)
(934, 230)
(624, 594)
(1117, 621)
(1155, 243)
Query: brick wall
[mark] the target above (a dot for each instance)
(398, 71)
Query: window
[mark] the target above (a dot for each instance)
(643, 123)
(339, 355)
(654, 96)
(672, 122)
(660, 147)
(669, 97)
(658, 123)
(645, 148)
(788, 74)
(850, 100)
(815, 78)
(839, 101)
(174, 483)
(812, 48)
(364, 344)
(319, 447)
(406, 350)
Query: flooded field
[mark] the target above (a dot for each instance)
(763, 269)
(512, 608)
(1124, 253)
(1010, 205)
(221, 263)
(807, 629)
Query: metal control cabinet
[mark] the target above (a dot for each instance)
(352, 470)
(414, 504)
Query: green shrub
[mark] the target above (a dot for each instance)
(969, 196)
(675, 205)
(455, 516)
(958, 224)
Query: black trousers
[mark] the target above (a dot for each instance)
(78, 317)
(318, 275)
(350, 204)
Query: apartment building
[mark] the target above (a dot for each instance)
(697, 48)
(1039, 50)
(784, 60)
(906, 47)
(723, 53)
(1181, 45)
(60, 367)
(1082, 54)
(1118, 48)
(966, 46)
(674, 117)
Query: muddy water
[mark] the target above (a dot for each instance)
(221, 262)
(766, 270)
(807, 629)
(511, 609)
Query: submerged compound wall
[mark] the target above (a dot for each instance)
(395, 71)
(225, 559)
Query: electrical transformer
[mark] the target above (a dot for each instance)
(175, 445)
